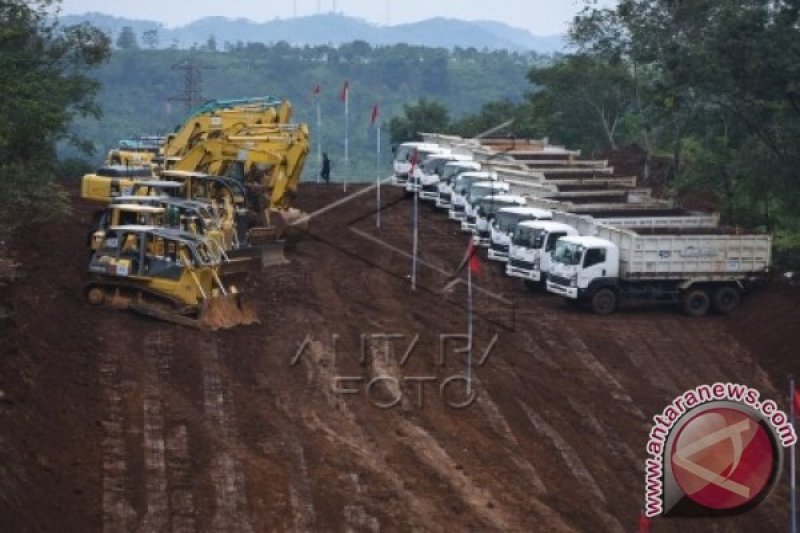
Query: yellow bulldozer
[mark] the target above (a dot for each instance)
(167, 274)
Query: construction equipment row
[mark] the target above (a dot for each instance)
(187, 217)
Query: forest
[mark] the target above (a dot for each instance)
(712, 87)
(139, 86)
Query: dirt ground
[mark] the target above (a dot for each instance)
(113, 422)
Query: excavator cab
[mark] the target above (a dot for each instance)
(167, 274)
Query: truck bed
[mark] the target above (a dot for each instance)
(681, 253)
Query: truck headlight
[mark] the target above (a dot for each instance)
(573, 281)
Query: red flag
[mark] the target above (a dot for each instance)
(376, 112)
(316, 90)
(644, 524)
(414, 156)
(474, 263)
(345, 91)
(797, 403)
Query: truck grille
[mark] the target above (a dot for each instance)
(444, 196)
(458, 208)
(558, 280)
(519, 263)
(500, 247)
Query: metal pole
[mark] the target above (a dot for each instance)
(792, 470)
(416, 242)
(346, 136)
(469, 322)
(319, 136)
(378, 175)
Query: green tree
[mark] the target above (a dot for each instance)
(584, 100)
(151, 38)
(45, 84)
(423, 117)
(126, 40)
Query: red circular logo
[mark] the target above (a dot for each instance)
(723, 458)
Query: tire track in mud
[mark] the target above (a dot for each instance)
(575, 465)
(117, 509)
(227, 473)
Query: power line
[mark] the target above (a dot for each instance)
(192, 94)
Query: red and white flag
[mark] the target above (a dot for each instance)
(414, 158)
(345, 91)
(474, 263)
(797, 403)
(376, 112)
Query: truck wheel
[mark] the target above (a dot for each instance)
(726, 299)
(604, 302)
(695, 302)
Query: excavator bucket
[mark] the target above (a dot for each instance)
(294, 226)
(271, 249)
(224, 312)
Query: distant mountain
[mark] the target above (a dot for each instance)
(333, 29)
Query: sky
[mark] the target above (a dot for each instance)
(540, 17)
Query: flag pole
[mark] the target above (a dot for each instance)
(415, 247)
(346, 134)
(319, 136)
(378, 174)
(792, 468)
(469, 321)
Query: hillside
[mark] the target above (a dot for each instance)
(138, 425)
(333, 29)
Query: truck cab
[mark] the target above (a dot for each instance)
(478, 191)
(461, 186)
(529, 252)
(488, 208)
(405, 154)
(502, 227)
(451, 171)
(426, 176)
(580, 264)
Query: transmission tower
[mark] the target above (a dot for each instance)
(192, 94)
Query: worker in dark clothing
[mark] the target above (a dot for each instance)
(326, 168)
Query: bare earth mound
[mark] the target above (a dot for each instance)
(113, 422)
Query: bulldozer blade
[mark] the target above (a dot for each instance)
(225, 312)
(272, 254)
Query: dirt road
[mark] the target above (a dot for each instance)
(336, 412)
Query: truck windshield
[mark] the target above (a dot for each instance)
(525, 237)
(568, 253)
(476, 193)
(507, 222)
(451, 172)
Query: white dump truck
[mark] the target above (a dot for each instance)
(531, 244)
(427, 175)
(476, 193)
(404, 154)
(461, 187)
(700, 268)
(488, 207)
(505, 224)
(444, 193)
(529, 257)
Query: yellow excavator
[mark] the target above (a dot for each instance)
(219, 122)
(167, 274)
(269, 161)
